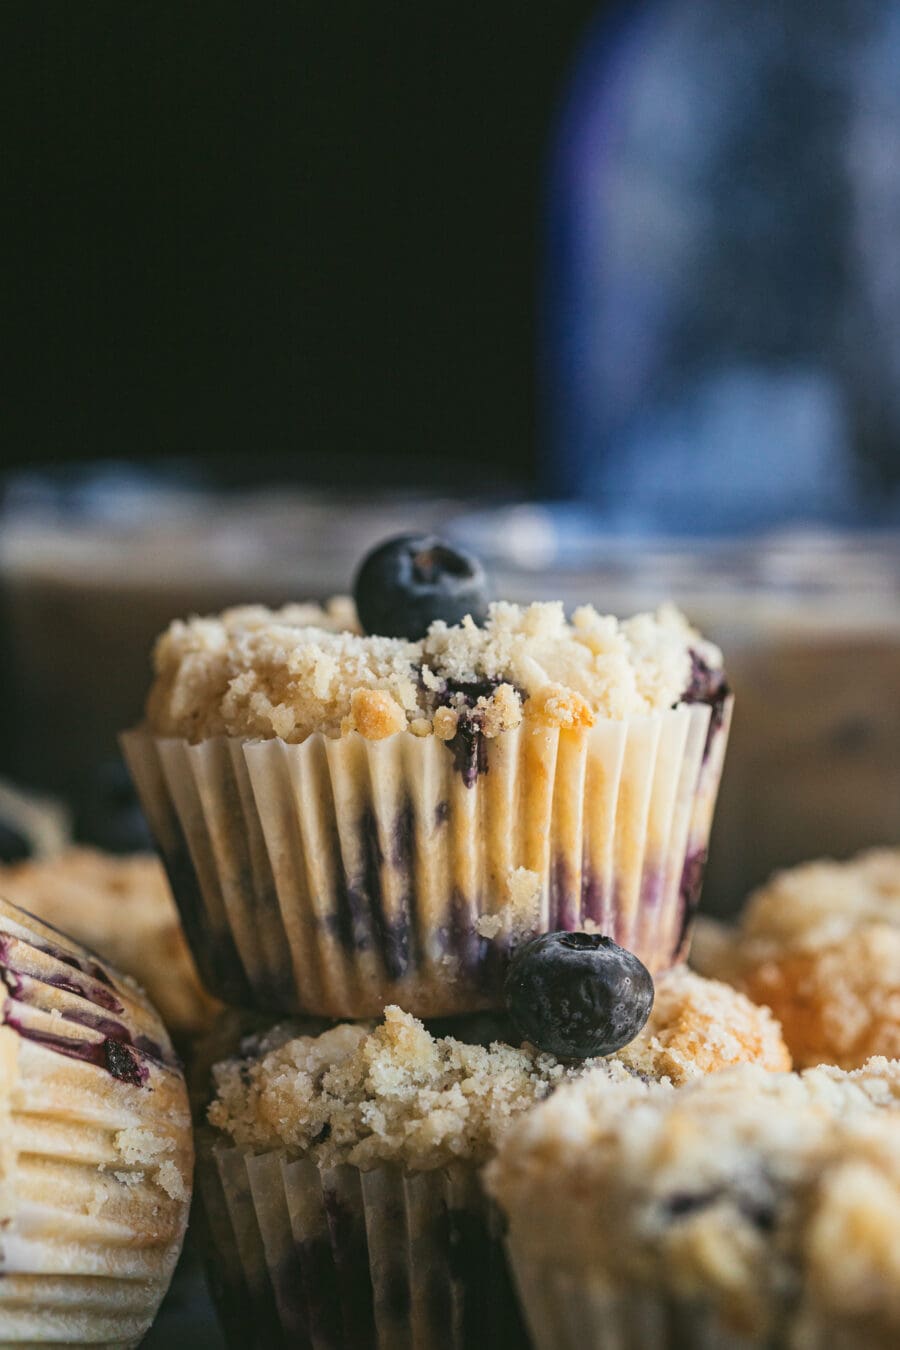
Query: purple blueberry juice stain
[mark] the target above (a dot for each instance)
(391, 933)
(25, 991)
(441, 814)
(476, 1276)
(121, 1061)
(652, 883)
(469, 691)
(361, 922)
(468, 747)
(99, 991)
(118, 1052)
(709, 686)
(689, 893)
(403, 838)
(305, 1298)
(564, 907)
(83, 964)
(593, 896)
(757, 1206)
(458, 937)
(349, 1246)
(212, 945)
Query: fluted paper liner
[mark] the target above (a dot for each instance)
(338, 875)
(341, 1259)
(572, 1311)
(95, 1146)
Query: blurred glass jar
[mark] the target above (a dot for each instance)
(809, 621)
(95, 563)
(721, 344)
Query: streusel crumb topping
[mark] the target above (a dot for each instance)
(291, 672)
(371, 1094)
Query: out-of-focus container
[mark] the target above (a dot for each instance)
(809, 621)
(91, 573)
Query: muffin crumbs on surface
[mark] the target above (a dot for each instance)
(288, 673)
(369, 1094)
(767, 1195)
(820, 944)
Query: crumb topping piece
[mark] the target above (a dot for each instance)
(368, 1094)
(288, 673)
(763, 1194)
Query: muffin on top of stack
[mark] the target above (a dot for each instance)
(473, 835)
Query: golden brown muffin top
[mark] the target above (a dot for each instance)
(369, 1094)
(288, 673)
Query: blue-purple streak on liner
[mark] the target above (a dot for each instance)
(121, 1054)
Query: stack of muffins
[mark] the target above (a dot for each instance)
(441, 858)
(368, 812)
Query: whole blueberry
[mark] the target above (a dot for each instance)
(408, 582)
(577, 995)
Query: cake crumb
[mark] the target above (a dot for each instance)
(375, 714)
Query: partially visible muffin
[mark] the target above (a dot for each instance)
(744, 1208)
(820, 944)
(371, 1094)
(96, 1150)
(122, 908)
(369, 1139)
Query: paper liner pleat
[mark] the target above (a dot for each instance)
(340, 1259)
(569, 1311)
(89, 1236)
(342, 874)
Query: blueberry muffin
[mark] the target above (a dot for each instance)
(747, 1209)
(122, 908)
(339, 1172)
(354, 813)
(95, 1146)
(820, 944)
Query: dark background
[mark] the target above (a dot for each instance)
(307, 230)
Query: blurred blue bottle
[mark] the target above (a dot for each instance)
(721, 338)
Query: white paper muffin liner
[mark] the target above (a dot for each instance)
(95, 1146)
(568, 1311)
(340, 1259)
(339, 875)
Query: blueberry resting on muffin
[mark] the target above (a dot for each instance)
(578, 995)
(407, 583)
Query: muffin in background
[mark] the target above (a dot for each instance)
(121, 907)
(354, 820)
(340, 1172)
(820, 945)
(96, 1150)
(740, 1211)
